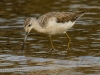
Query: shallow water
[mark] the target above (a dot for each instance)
(82, 59)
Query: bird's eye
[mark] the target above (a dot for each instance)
(29, 25)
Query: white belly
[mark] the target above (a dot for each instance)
(57, 28)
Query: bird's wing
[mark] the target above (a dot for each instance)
(61, 17)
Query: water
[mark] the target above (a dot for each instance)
(37, 58)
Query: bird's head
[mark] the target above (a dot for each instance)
(28, 26)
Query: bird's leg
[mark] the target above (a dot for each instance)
(51, 43)
(69, 40)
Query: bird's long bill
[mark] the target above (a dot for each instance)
(26, 34)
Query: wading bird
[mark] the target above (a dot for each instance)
(52, 23)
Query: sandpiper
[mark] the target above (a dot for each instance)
(52, 23)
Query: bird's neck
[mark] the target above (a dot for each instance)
(38, 27)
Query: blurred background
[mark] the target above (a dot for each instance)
(85, 34)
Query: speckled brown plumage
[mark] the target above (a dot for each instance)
(61, 17)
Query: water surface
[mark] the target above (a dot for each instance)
(82, 59)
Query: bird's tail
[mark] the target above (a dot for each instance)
(78, 14)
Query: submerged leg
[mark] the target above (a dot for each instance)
(69, 40)
(51, 43)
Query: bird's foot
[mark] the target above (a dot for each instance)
(53, 49)
(68, 48)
